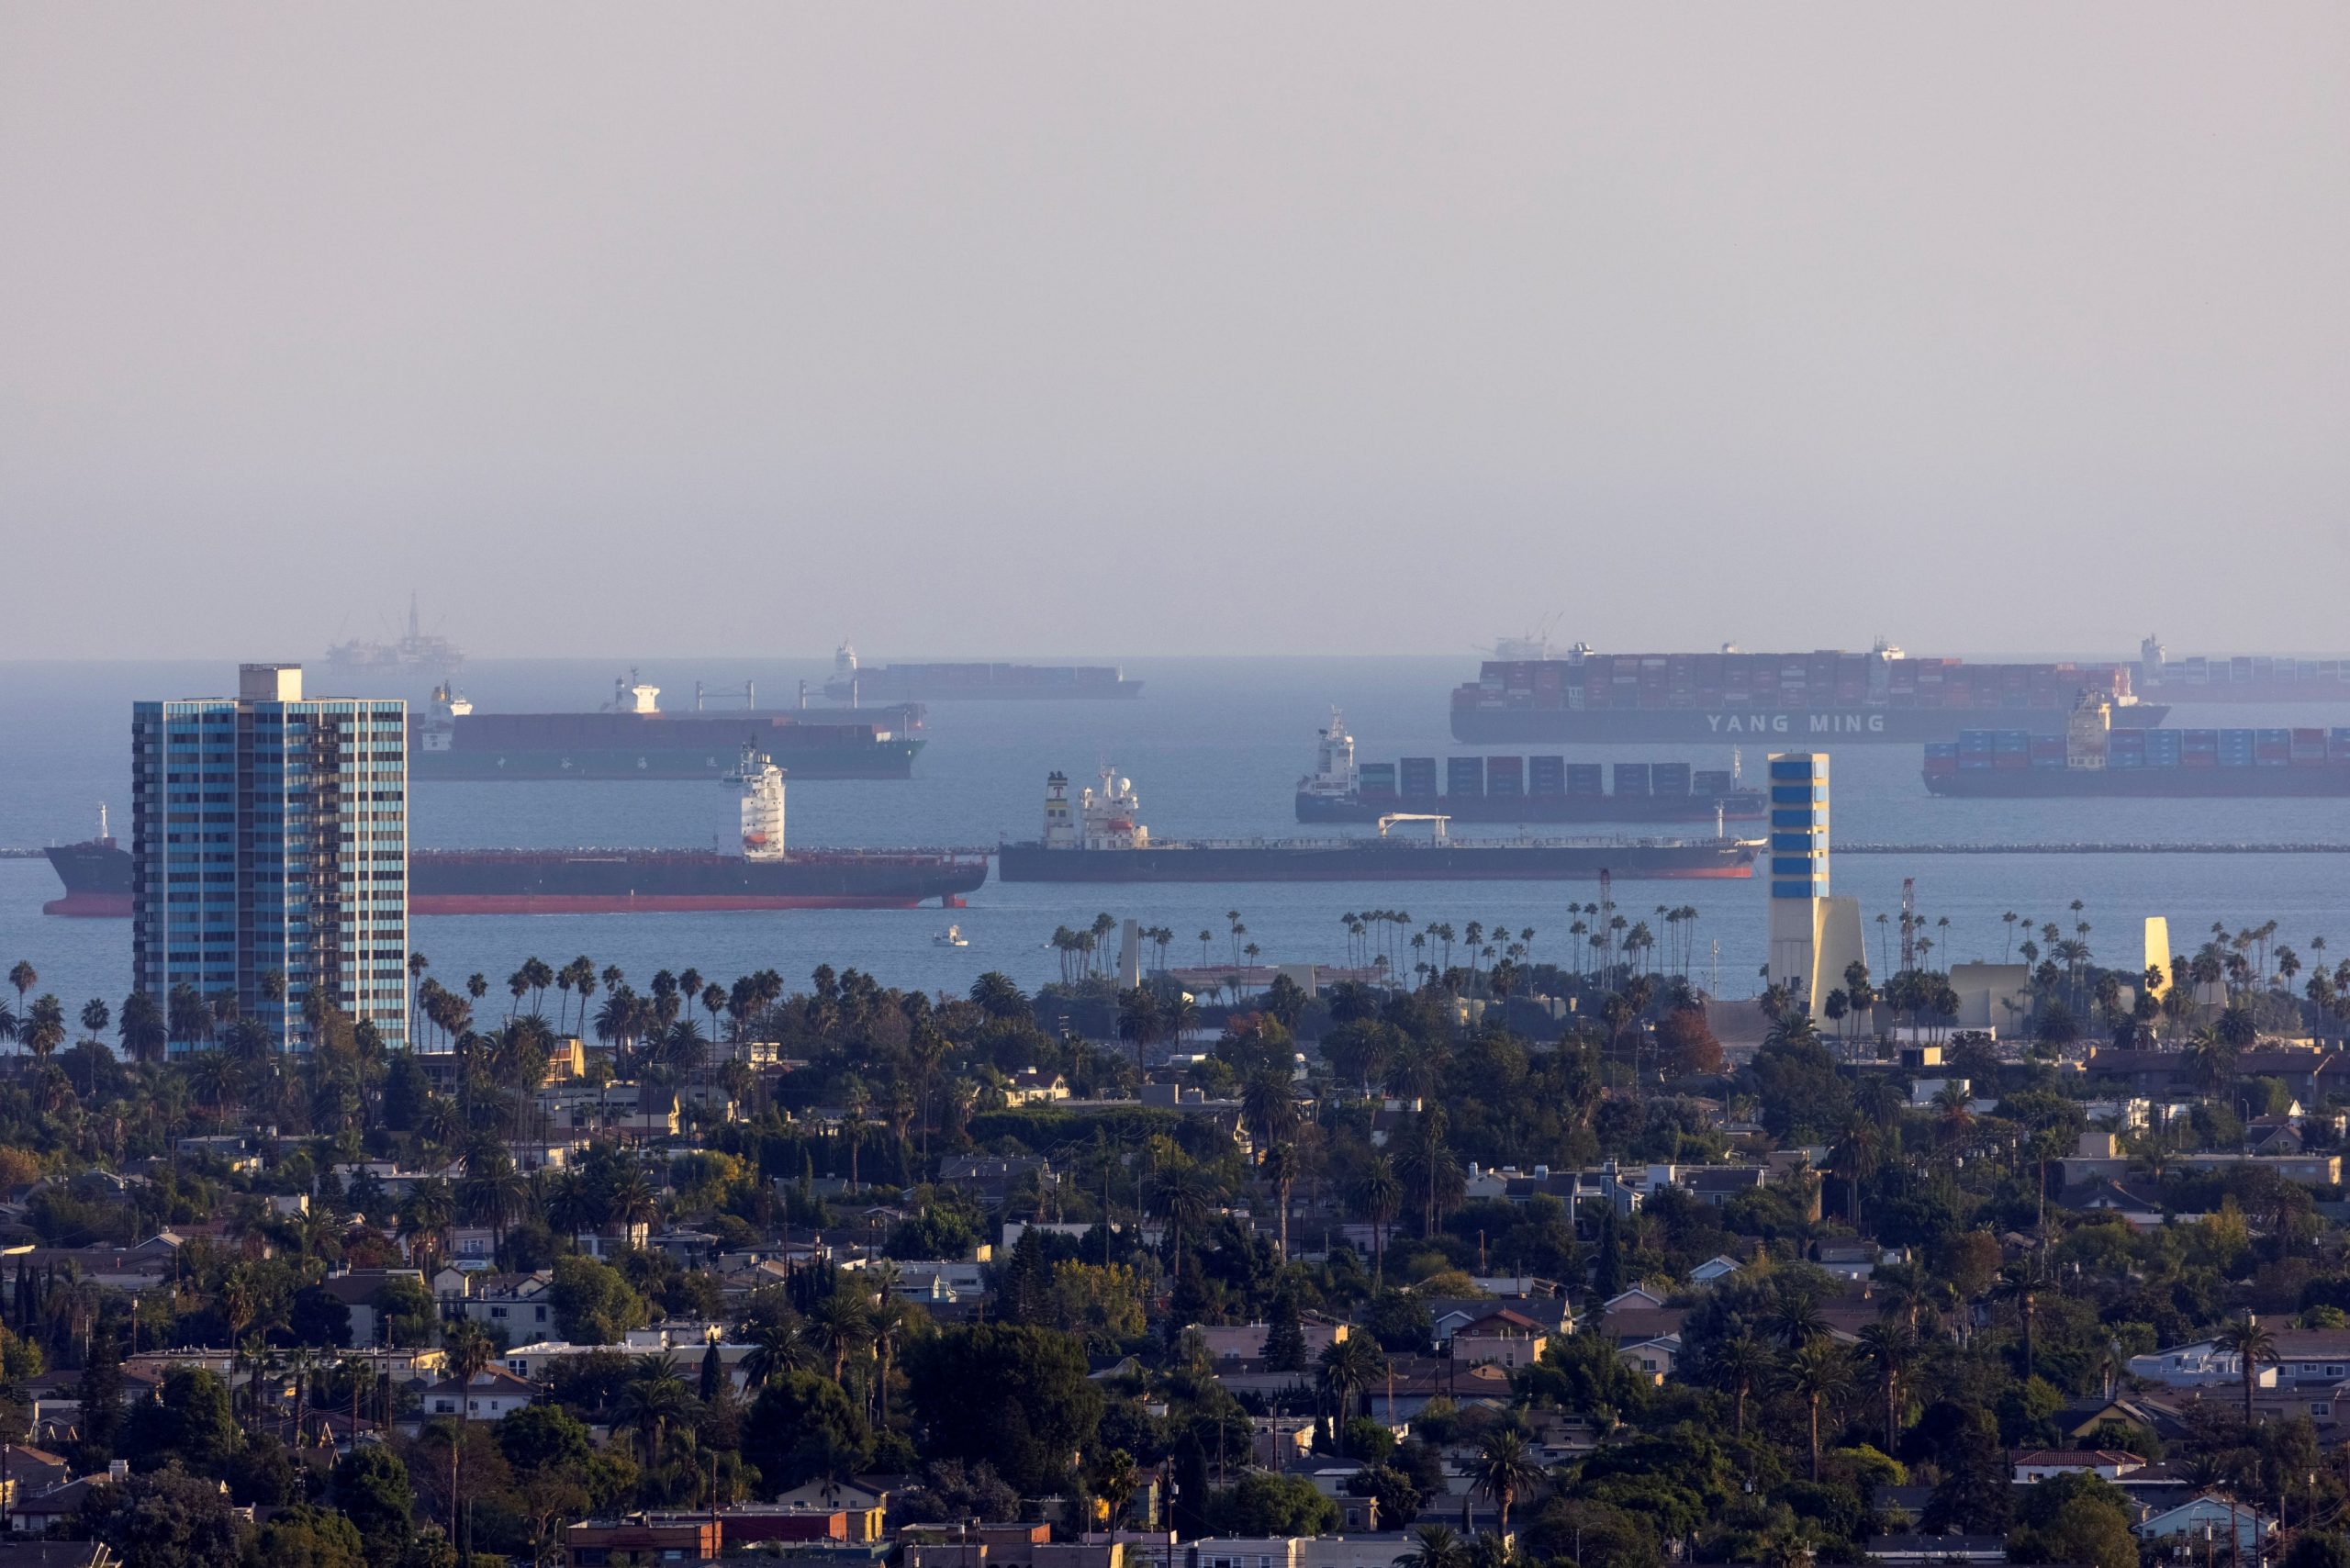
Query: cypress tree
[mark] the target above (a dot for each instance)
(1285, 1336)
(1607, 1274)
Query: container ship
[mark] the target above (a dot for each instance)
(765, 874)
(2240, 679)
(631, 738)
(1098, 837)
(2093, 759)
(379, 669)
(1881, 695)
(851, 684)
(1515, 788)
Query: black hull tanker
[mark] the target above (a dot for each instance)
(96, 873)
(1096, 838)
(1381, 860)
(631, 738)
(975, 682)
(1779, 699)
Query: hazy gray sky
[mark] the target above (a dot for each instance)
(1133, 330)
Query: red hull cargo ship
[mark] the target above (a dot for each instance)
(96, 873)
(1881, 695)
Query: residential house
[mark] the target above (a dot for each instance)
(1035, 1087)
(2038, 1464)
(1655, 1358)
(359, 1289)
(2201, 1519)
(607, 1543)
(490, 1395)
(1245, 1341)
(1506, 1337)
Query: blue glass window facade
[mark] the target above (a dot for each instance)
(1798, 824)
(269, 857)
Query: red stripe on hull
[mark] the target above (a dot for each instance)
(91, 906)
(622, 903)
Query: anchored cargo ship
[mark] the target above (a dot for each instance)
(2093, 759)
(2240, 678)
(941, 682)
(1881, 695)
(586, 881)
(1515, 788)
(631, 738)
(1098, 837)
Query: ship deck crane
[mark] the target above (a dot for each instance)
(1437, 819)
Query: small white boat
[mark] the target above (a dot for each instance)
(951, 938)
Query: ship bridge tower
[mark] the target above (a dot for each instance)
(762, 783)
(1334, 762)
(1110, 818)
(631, 695)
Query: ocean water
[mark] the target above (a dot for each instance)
(1215, 748)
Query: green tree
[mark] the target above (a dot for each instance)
(2076, 1519)
(370, 1488)
(1017, 1397)
(802, 1426)
(1285, 1334)
(544, 1437)
(188, 1423)
(165, 1520)
(593, 1302)
(305, 1537)
(1262, 1504)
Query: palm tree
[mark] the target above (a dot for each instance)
(1504, 1469)
(1818, 1370)
(841, 1326)
(469, 1349)
(24, 977)
(2252, 1345)
(1741, 1363)
(1435, 1547)
(1117, 1480)
(43, 1029)
(651, 1400)
(776, 1347)
(1379, 1195)
(1343, 1371)
(1891, 1348)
